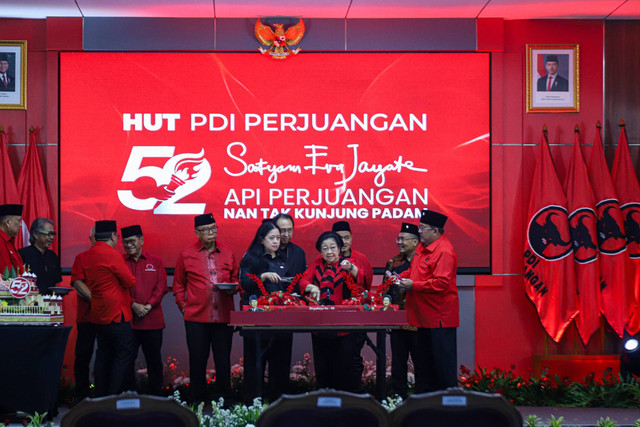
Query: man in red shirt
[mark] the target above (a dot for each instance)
(432, 305)
(146, 303)
(86, 331)
(343, 229)
(10, 224)
(205, 307)
(109, 280)
(404, 340)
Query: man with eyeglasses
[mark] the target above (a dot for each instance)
(10, 225)
(432, 305)
(404, 340)
(109, 280)
(39, 259)
(294, 256)
(205, 307)
(360, 260)
(146, 304)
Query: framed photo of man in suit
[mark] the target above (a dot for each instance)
(553, 78)
(13, 75)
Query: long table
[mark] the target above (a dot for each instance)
(31, 359)
(324, 319)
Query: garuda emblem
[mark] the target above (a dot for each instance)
(278, 40)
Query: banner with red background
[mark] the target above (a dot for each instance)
(156, 138)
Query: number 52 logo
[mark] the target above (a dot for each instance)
(181, 175)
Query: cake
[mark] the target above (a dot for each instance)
(21, 303)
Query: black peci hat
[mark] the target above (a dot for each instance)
(106, 227)
(341, 226)
(10, 209)
(433, 218)
(204, 219)
(132, 230)
(409, 228)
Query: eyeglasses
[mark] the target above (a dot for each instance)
(48, 233)
(329, 248)
(208, 230)
(422, 228)
(286, 230)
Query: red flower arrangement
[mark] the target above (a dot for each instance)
(277, 298)
(356, 292)
(362, 297)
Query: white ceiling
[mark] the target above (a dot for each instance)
(507, 9)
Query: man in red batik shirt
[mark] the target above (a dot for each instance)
(205, 307)
(432, 305)
(109, 280)
(146, 304)
(10, 224)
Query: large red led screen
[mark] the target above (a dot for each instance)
(157, 138)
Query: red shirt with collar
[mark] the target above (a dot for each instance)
(433, 300)
(9, 255)
(83, 307)
(109, 280)
(364, 268)
(194, 287)
(150, 288)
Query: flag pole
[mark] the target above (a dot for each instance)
(602, 326)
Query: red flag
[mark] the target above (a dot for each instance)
(9, 190)
(542, 71)
(548, 255)
(33, 191)
(616, 298)
(628, 191)
(581, 204)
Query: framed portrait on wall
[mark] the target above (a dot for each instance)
(13, 75)
(553, 78)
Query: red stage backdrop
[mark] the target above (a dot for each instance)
(156, 138)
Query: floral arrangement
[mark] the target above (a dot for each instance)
(277, 298)
(359, 296)
(237, 416)
(302, 377)
(362, 297)
(609, 392)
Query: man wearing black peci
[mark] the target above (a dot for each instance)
(205, 307)
(432, 305)
(10, 224)
(146, 304)
(404, 340)
(7, 81)
(552, 82)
